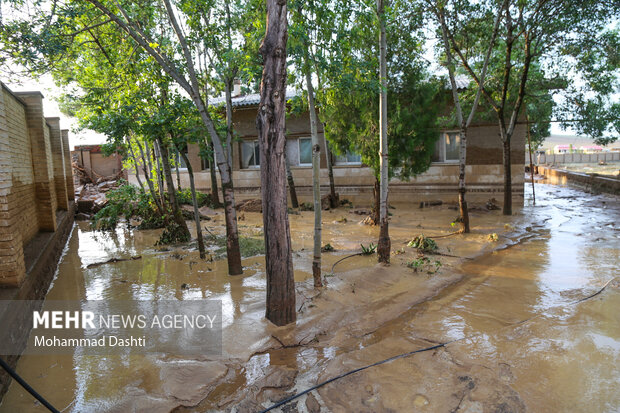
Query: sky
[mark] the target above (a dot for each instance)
(50, 91)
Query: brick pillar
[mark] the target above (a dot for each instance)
(64, 133)
(42, 162)
(58, 158)
(12, 266)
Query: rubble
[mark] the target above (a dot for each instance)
(250, 205)
(91, 198)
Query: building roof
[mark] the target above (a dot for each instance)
(252, 99)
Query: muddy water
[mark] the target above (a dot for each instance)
(564, 357)
(567, 358)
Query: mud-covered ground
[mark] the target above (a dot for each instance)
(518, 339)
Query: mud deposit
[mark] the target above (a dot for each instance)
(519, 340)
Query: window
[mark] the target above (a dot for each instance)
(204, 163)
(179, 161)
(349, 158)
(448, 147)
(250, 154)
(305, 151)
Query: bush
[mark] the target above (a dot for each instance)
(184, 196)
(423, 243)
(128, 201)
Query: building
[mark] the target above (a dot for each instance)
(354, 180)
(96, 165)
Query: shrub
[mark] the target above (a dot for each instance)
(423, 243)
(424, 264)
(184, 196)
(369, 250)
(128, 201)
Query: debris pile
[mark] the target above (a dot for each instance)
(91, 198)
(250, 205)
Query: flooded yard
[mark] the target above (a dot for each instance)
(523, 328)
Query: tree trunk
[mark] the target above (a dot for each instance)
(178, 163)
(529, 145)
(190, 173)
(270, 123)
(215, 197)
(507, 210)
(334, 198)
(383, 246)
(160, 180)
(376, 191)
(233, 252)
(172, 197)
(316, 179)
(135, 163)
(462, 188)
(291, 183)
(147, 166)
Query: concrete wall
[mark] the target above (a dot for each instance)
(542, 159)
(592, 182)
(33, 178)
(484, 172)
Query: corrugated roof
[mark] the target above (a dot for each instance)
(462, 82)
(252, 99)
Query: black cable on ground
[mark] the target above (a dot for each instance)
(26, 386)
(348, 373)
(342, 259)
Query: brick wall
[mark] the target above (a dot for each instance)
(32, 188)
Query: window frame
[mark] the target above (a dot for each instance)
(299, 163)
(254, 142)
(442, 147)
(347, 162)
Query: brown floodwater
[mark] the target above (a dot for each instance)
(565, 357)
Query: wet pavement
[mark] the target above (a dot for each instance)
(521, 342)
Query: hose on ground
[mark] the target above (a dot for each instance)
(342, 259)
(27, 386)
(410, 353)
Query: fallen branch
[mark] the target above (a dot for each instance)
(113, 260)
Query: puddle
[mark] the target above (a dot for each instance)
(567, 358)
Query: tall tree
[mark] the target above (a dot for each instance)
(530, 33)
(439, 10)
(157, 29)
(383, 247)
(271, 126)
(349, 101)
(302, 52)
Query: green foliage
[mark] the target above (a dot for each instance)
(424, 264)
(249, 246)
(369, 250)
(184, 197)
(173, 234)
(306, 206)
(127, 201)
(423, 243)
(352, 118)
(327, 248)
